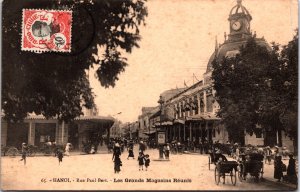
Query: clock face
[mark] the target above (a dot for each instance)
(236, 25)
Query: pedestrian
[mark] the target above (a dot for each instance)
(60, 156)
(93, 151)
(68, 148)
(276, 151)
(117, 164)
(130, 152)
(278, 164)
(268, 154)
(291, 170)
(147, 161)
(116, 150)
(167, 150)
(141, 161)
(200, 146)
(142, 147)
(24, 152)
(116, 158)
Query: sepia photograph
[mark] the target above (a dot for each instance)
(155, 95)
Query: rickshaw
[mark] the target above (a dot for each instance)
(226, 168)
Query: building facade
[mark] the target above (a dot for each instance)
(191, 114)
(37, 130)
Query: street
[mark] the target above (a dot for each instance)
(95, 172)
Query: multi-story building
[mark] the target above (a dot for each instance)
(191, 114)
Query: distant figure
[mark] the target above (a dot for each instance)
(142, 147)
(116, 150)
(24, 152)
(291, 170)
(219, 156)
(141, 161)
(93, 151)
(116, 158)
(60, 156)
(130, 152)
(167, 150)
(118, 164)
(68, 148)
(147, 161)
(278, 164)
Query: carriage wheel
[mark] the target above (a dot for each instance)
(12, 152)
(233, 176)
(217, 176)
(208, 163)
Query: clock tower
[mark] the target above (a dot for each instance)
(239, 21)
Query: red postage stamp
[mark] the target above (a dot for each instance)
(46, 30)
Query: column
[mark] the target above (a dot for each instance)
(184, 131)
(191, 139)
(62, 132)
(108, 134)
(4, 126)
(179, 130)
(204, 100)
(207, 131)
(201, 132)
(198, 101)
(31, 133)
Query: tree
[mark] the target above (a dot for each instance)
(258, 87)
(240, 83)
(55, 84)
(282, 96)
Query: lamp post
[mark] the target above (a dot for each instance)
(160, 145)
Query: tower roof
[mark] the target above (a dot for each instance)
(229, 49)
(239, 10)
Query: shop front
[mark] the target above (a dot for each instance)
(36, 130)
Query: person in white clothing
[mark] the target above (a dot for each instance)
(67, 149)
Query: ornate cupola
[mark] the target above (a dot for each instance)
(239, 21)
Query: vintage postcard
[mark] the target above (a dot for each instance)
(149, 95)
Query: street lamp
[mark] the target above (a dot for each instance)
(160, 146)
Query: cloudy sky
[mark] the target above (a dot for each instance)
(177, 41)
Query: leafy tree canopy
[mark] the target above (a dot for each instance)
(257, 87)
(55, 84)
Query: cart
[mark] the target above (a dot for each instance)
(226, 168)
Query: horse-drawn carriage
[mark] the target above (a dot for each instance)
(226, 168)
(251, 164)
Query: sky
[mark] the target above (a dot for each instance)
(177, 41)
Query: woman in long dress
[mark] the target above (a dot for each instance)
(116, 158)
(67, 149)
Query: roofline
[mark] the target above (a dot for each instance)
(189, 88)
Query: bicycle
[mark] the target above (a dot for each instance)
(13, 151)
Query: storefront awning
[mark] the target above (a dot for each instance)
(181, 121)
(96, 119)
(203, 117)
(164, 123)
(149, 132)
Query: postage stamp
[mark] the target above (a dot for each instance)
(46, 30)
